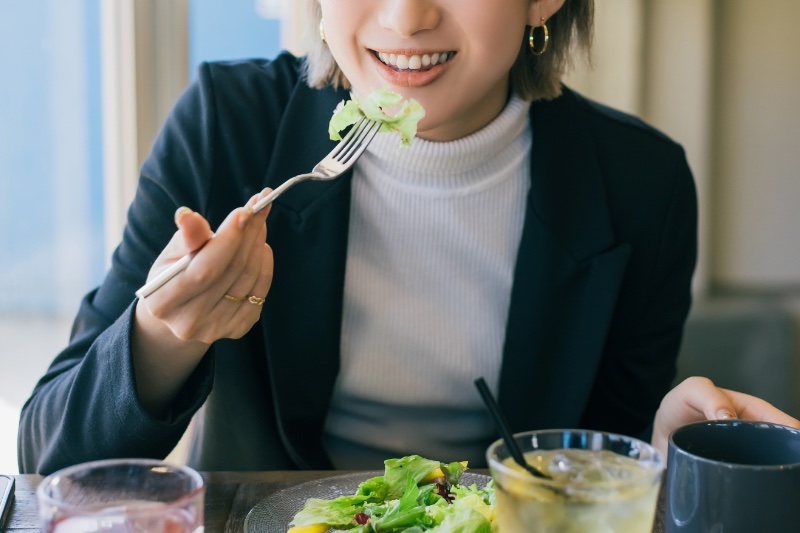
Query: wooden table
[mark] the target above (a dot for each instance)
(229, 497)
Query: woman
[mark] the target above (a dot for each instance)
(528, 235)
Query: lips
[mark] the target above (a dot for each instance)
(413, 62)
(411, 68)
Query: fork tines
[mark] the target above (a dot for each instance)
(356, 140)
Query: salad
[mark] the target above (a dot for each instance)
(414, 495)
(378, 106)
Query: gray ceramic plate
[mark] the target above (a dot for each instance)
(272, 515)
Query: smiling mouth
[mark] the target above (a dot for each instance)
(414, 62)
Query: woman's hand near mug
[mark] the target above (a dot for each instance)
(219, 295)
(697, 398)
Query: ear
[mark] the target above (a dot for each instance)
(542, 9)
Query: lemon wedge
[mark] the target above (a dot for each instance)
(314, 528)
(436, 473)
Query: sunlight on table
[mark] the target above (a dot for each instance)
(9, 418)
(29, 345)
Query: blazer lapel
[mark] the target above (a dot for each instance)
(307, 230)
(567, 275)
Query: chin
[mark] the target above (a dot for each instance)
(424, 129)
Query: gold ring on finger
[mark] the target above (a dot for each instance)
(255, 300)
(235, 298)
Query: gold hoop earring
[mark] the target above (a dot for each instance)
(322, 31)
(532, 39)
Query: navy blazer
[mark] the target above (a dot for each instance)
(601, 290)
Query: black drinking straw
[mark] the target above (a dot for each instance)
(502, 426)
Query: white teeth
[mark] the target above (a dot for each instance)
(416, 61)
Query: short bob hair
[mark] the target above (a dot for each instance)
(532, 77)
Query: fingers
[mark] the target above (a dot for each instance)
(693, 400)
(194, 229)
(248, 277)
(245, 266)
(717, 403)
(697, 399)
(224, 257)
(235, 261)
(703, 396)
(752, 408)
(248, 305)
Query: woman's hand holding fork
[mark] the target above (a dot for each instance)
(219, 295)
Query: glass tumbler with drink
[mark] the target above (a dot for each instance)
(122, 495)
(599, 482)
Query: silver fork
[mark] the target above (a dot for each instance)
(333, 165)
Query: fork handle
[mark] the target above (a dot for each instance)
(268, 199)
(178, 266)
(164, 276)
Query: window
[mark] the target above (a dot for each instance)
(51, 209)
(69, 153)
(232, 29)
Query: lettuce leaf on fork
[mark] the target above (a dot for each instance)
(377, 107)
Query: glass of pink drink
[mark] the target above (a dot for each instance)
(122, 495)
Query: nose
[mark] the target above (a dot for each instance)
(407, 17)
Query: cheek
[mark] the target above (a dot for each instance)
(353, 64)
(498, 38)
(495, 56)
(340, 48)
(341, 35)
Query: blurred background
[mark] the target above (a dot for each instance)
(87, 83)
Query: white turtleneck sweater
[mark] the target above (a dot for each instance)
(433, 238)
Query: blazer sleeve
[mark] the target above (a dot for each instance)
(86, 407)
(639, 363)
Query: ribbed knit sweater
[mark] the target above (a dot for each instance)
(433, 238)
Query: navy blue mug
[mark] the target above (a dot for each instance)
(733, 476)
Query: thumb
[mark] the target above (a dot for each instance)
(194, 229)
(709, 399)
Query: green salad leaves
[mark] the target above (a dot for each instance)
(377, 106)
(414, 495)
